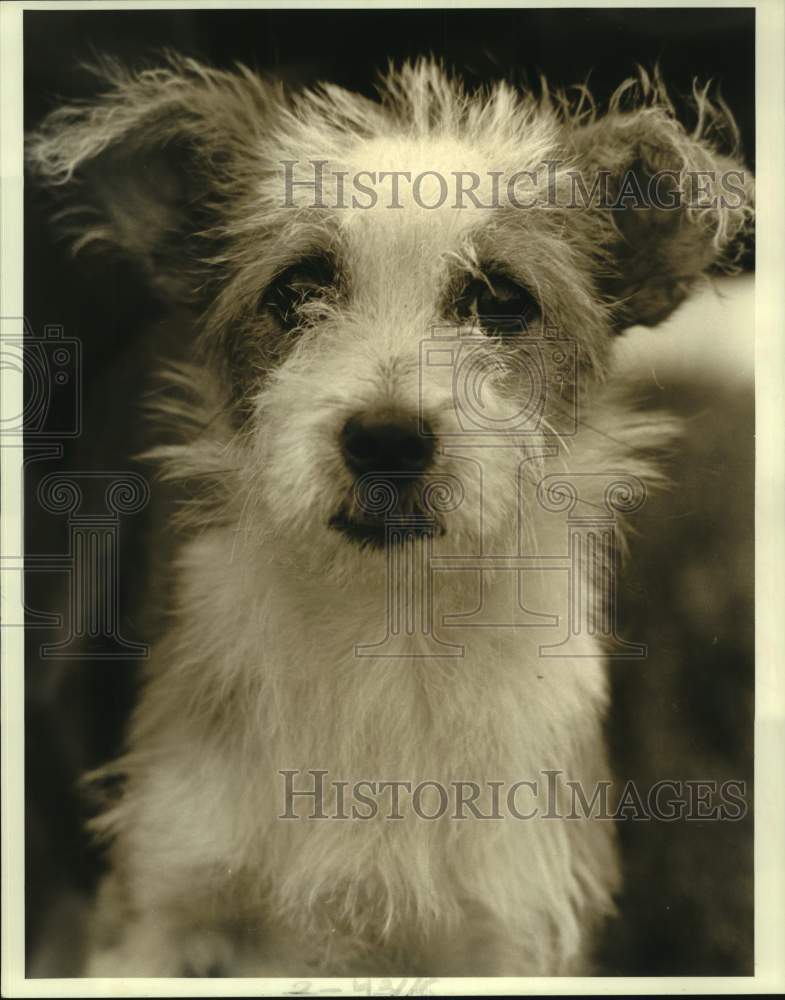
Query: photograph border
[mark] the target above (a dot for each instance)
(769, 551)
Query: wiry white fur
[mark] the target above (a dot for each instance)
(258, 672)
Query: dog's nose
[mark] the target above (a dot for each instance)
(386, 442)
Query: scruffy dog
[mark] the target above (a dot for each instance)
(397, 417)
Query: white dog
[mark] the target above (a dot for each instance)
(404, 465)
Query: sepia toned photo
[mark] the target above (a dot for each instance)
(387, 460)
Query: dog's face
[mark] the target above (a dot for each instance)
(404, 306)
(390, 349)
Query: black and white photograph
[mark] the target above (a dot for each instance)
(392, 499)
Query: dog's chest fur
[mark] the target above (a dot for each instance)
(262, 676)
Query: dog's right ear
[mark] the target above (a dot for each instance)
(145, 167)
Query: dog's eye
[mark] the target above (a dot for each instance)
(502, 306)
(298, 284)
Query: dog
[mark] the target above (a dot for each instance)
(398, 410)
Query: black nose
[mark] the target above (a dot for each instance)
(386, 442)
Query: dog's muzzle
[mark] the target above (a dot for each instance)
(389, 454)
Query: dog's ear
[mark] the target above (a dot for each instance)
(675, 206)
(144, 166)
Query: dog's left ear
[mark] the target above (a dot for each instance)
(674, 206)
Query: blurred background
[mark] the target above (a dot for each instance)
(685, 712)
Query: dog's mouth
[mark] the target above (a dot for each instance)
(382, 532)
(385, 510)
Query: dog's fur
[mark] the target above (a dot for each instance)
(180, 169)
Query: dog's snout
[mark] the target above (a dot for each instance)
(386, 441)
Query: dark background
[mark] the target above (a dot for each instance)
(687, 712)
(351, 47)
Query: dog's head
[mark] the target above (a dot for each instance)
(403, 306)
